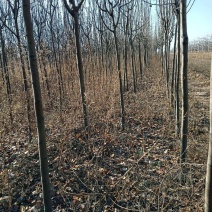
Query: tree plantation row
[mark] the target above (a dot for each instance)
(82, 66)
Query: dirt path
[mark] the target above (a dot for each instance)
(199, 76)
(199, 94)
(199, 87)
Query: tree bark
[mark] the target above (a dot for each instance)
(38, 106)
(126, 84)
(120, 79)
(133, 61)
(80, 68)
(140, 59)
(177, 77)
(173, 68)
(208, 184)
(184, 80)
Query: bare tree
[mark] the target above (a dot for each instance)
(126, 41)
(131, 39)
(184, 79)
(39, 15)
(13, 11)
(201, 44)
(142, 35)
(74, 12)
(146, 32)
(177, 71)
(5, 71)
(173, 67)
(38, 106)
(167, 19)
(113, 10)
(54, 32)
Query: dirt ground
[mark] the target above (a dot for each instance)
(133, 170)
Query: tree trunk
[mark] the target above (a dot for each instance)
(74, 12)
(126, 84)
(46, 79)
(133, 62)
(184, 80)
(59, 73)
(80, 68)
(140, 60)
(38, 107)
(177, 99)
(208, 184)
(26, 90)
(173, 68)
(5, 74)
(167, 64)
(120, 80)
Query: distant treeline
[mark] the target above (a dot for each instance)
(201, 44)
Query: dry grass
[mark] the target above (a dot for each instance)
(200, 62)
(133, 170)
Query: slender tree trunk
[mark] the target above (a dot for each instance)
(133, 63)
(173, 69)
(38, 107)
(80, 69)
(2, 72)
(46, 79)
(140, 60)
(133, 70)
(177, 78)
(208, 184)
(145, 55)
(42, 63)
(26, 89)
(126, 30)
(167, 65)
(184, 80)
(120, 80)
(74, 12)
(4, 64)
(162, 59)
(126, 84)
(59, 74)
(5, 75)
